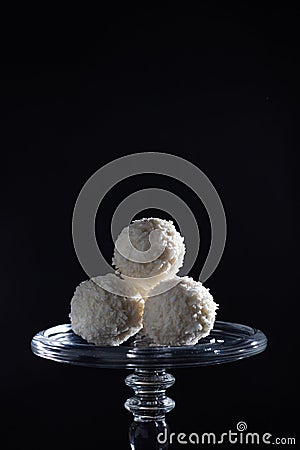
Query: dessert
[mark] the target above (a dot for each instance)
(144, 295)
(180, 315)
(148, 251)
(104, 318)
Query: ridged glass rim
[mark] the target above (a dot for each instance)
(227, 342)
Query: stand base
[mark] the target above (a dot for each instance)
(150, 402)
(150, 435)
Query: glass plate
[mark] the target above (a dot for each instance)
(227, 342)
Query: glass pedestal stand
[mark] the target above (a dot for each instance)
(227, 342)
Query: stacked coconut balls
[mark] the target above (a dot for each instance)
(144, 293)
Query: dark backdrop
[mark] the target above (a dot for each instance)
(217, 86)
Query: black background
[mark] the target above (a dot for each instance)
(217, 86)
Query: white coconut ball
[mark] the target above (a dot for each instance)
(179, 315)
(160, 253)
(102, 317)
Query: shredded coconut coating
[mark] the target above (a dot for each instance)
(181, 315)
(145, 275)
(103, 318)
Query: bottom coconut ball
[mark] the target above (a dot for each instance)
(103, 318)
(179, 315)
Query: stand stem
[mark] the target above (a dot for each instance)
(150, 401)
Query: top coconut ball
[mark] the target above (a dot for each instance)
(149, 251)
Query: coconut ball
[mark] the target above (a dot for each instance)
(180, 314)
(149, 251)
(103, 317)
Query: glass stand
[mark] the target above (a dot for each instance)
(150, 401)
(227, 342)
